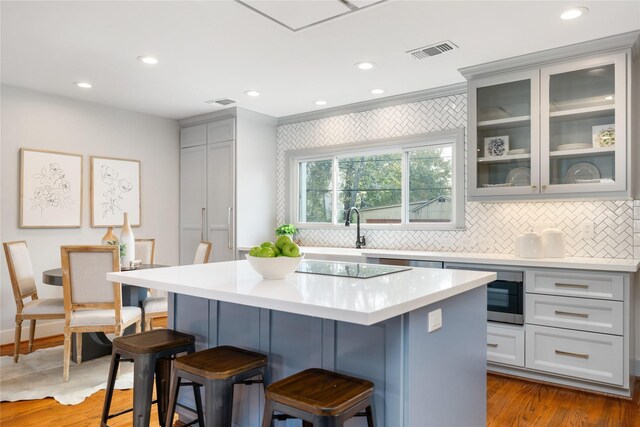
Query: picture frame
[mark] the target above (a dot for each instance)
(50, 189)
(496, 146)
(604, 136)
(115, 189)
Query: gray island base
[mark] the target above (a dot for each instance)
(421, 378)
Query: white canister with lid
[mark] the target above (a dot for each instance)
(531, 245)
(553, 243)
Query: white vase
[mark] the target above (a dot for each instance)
(127, 238)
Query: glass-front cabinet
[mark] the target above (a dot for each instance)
(583, 128)
(504, 145)
(554, 130)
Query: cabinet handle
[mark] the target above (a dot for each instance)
(533, 188)
(543, 188)
(229, 228)
(572, 285)
(568, 353)
(568, 313)
(202, 225)
(490, 344)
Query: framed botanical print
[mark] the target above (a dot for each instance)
(50, 189)
(115, 189)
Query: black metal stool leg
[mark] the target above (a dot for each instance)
(163, 373)
(173, 397)
(111, 381)
(219, 405)
(369, 411)
(143, 370)
(198, 399)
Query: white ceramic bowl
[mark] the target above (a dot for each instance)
(274, 268)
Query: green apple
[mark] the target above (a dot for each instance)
(254, 250)
(276, 251)
(291, 250)
(266, 253)
(267, 245)
(282, 240)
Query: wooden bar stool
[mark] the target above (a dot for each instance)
(217, 369)
(320, 398)
(151, 352)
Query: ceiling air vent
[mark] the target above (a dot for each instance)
(223, 101)
(432, 50)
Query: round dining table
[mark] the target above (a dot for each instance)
(97, 344)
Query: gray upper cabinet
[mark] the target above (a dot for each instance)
(545, 126)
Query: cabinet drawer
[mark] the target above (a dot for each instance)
(586, 355)
(222, 130)
(590, 315)
(577, 284)
(505, 345)
(193, 135)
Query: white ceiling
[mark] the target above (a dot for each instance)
(220, 49)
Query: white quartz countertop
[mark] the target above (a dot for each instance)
(361, 301)
(601, 264)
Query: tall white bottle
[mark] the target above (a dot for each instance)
(126, 238)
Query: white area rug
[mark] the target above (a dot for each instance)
(39, 374)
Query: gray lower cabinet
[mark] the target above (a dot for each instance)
(584, 355)
(577, 325)
(505, 344)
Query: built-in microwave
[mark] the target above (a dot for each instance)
(505, 295)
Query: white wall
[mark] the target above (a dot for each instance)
(41, 121)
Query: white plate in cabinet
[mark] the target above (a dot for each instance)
(586, 355)
(575, 284)
(583, 314)
(505, 345)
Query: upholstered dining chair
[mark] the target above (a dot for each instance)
(202, 253)
(146, 250)
(24, 286)
(91, 303)
(157, 306)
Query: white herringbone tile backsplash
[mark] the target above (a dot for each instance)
(490, 227)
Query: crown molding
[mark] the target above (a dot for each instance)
(389, 101)
(541, 58)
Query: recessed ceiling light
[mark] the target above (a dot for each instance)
(366, 65)
(377, 91)
(573, 13)
(149, 60)
(252, 92)
(84, 85)
(321, 102)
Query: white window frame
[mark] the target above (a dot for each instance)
(454, 138)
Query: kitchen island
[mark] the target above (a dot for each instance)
(374, 328)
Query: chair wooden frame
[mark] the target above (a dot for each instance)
(19, 298)
(153, 248)
(69, 307)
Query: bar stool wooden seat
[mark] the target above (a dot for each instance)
(218, 369)
(151, 352)
(320, 398)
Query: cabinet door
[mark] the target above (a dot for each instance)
(583, 128)
(193, 135)
(221, 201)
(193, 200)
(504, 133)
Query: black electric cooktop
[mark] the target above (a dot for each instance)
(347, 269)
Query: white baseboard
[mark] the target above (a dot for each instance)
(43, 329)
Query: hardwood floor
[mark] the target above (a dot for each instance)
(510, 402)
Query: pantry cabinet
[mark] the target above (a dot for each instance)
(227, 182)
(559, 130)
